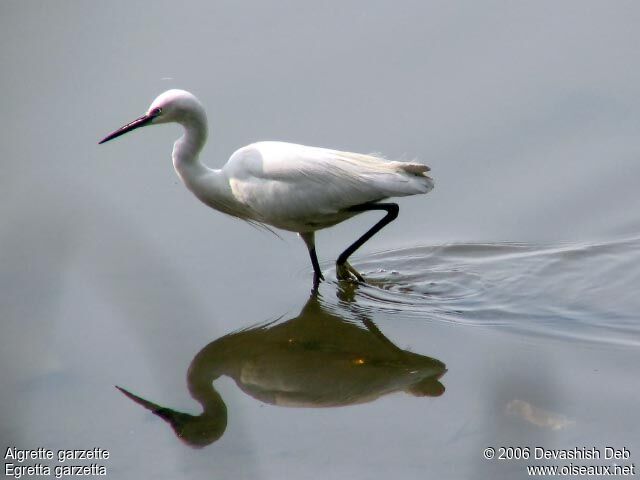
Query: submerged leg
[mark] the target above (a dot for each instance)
(343, 269)
(309, 240)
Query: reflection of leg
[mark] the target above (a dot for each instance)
(346, 271)
(309, 240)
(373, 328)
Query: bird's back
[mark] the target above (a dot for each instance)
(288, 185)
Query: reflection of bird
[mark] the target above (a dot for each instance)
(317, 359)
(288, 186)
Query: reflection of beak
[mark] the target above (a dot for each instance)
(137, 123)
(140, 401)
(172, 417)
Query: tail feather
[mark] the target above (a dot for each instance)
(392, 178)
(422, 182)
(416, 176)
(414, 168)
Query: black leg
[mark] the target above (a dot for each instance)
(392, 210)
(317, 273)
(309, 240)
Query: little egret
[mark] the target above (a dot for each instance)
(288, 186)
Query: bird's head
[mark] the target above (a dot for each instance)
(174, 105)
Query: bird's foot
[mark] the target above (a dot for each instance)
(344, 271)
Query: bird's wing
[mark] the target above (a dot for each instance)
(297, 180)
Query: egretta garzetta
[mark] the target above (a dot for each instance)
(288, 186)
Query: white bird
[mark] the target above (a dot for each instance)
(288, 186)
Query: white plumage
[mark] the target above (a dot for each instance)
(289, 186)
(300, 188)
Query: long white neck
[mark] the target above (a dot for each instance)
(209, 185)
(186, 149)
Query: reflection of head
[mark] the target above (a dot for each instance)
(196, 431)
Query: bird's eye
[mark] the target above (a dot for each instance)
(156, 111)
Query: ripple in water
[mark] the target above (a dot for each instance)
(581, 291)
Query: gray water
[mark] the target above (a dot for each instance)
(501, 310)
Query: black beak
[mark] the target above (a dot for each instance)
(137, 123)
